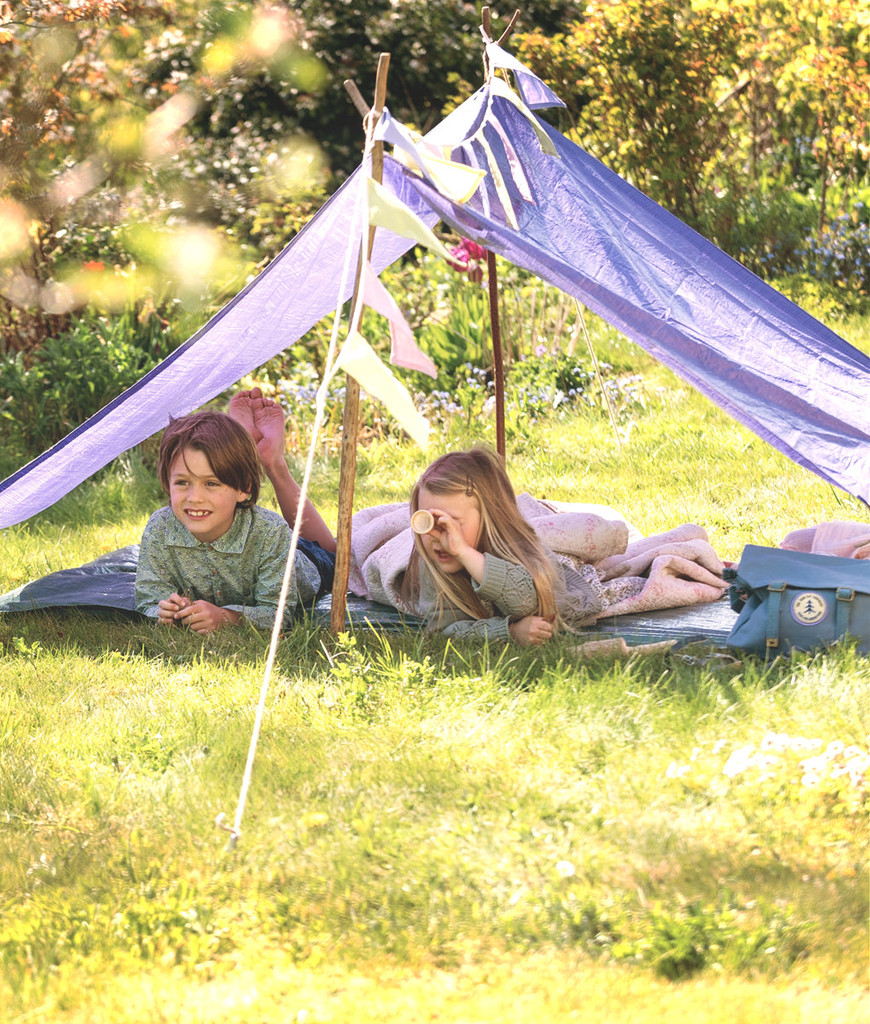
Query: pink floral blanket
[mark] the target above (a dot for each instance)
(637, 573)
(840, 537)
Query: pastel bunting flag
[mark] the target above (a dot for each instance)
(404, 350)
(455, 180)
(536, 94)
(514, 163)
(386, 211)
(501, 88)
(361, 361)
(498, 181)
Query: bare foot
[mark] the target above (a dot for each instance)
(264, 421)
(269, 424)
(242, 410)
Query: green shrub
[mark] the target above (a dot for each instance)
(678, 944)
(764, 228)
(821, 299)
(55, 388)
(839, 256)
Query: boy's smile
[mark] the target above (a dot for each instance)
(198, 499)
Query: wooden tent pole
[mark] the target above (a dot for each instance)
(497, 354)
(350, 418)
(485, 26)
(492, 274)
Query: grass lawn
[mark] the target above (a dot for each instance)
(437, 832)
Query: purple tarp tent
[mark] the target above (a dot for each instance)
(578, 226)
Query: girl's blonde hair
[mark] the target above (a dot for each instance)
(480, 473)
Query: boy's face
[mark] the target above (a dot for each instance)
(198, 499)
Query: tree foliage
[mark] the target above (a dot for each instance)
(154, 153)
(807, 109)
(687, 98)
(115, 112)
(646, 77)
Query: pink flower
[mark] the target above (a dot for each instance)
(94, 266)
(469, 256)
(475, 251)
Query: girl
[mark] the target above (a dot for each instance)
(481, 571)
(213, 557)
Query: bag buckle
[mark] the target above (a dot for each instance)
(777, 589)
(845, 594)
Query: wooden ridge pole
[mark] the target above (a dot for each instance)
(350, 418)
(492, 273)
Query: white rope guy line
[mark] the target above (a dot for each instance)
(320, 411)
(595, 363)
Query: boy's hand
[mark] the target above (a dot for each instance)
(204, 617)
(532, 630)
(168, 608)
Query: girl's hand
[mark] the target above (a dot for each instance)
(532, 631)
(204, 617)
(448, 533)
(449, 538)
(452, 543)
(168, 608)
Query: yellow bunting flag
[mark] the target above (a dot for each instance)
(361, 361)
(502, 89)
(500, 187)
(456, 181)
(386, 211)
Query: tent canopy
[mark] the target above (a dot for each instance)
(549, 207)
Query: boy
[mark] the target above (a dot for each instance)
(213, 557)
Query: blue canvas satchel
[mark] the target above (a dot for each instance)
(792, 599)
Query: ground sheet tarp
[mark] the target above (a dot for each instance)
(105, 586)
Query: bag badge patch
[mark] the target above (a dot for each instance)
(809, 608)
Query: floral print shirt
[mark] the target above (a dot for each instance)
(243, 570)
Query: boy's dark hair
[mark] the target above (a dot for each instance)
(229, 448)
